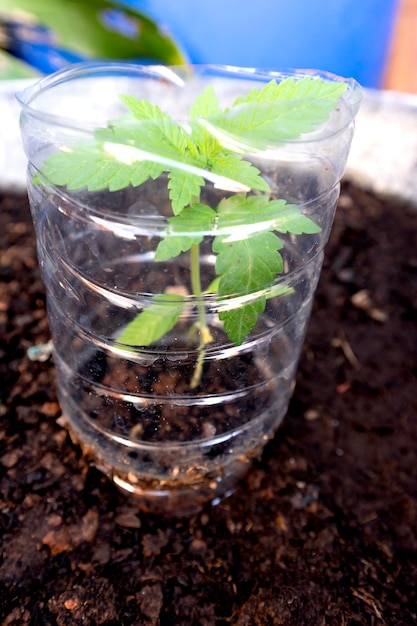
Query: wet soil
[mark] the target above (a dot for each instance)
(322, 531)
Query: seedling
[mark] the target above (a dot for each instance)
(146, 144)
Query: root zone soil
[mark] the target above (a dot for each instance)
(322, 531)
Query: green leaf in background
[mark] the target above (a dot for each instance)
(81, 26)
(12, 68)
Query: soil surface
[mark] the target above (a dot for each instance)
(322, 531)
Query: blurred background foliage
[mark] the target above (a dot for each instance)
(346, 37)
(41, 36)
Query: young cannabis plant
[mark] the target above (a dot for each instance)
(146, 143)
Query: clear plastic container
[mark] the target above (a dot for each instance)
(173, 438)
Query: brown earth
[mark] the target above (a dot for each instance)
(323, 531)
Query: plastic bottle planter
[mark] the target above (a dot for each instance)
(180, 278)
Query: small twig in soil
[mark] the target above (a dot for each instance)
(366, 597)
(342, 342)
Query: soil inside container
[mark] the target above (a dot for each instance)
(323, 529)
(184, 450)
(173, 422)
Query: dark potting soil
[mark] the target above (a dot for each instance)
(323, 530)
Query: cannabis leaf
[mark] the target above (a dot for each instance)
(239, 322)
(154, 321)
(243, 213)
(139, 146)
(291, 89)
(183, 188)
(226, 164)
(234, 168)
(156, 134)
(206, 105)
(214, 145)
(93, 167)
(248, 260)
(277, 113)
(246, 266)
(160, 125)
(193, 223)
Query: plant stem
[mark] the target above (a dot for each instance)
(205, 335)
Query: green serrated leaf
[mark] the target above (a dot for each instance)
(239, 322)
(262, 214)
(146, 142)
(206, 105)
(149, 134)
(83, 167)
(94, 168)
(158, 122)
(184, 187)
(170, 247)
(154, 322)
(295, 89)
(307, 87)
(277, 113)
(143, 170)
(254, 126)
(248, 264)
(294, 222)
(247, 261)
(233, 167)
(185, 230)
